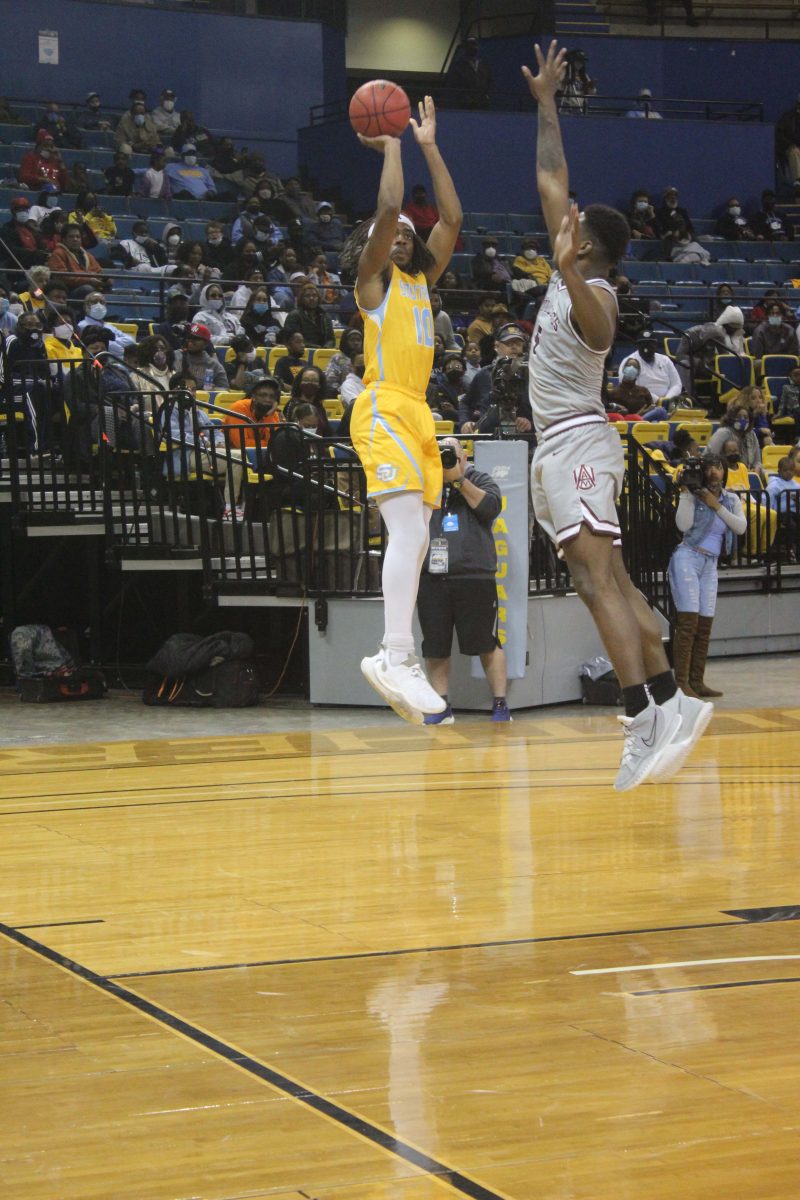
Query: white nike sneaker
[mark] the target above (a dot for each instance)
(647, 737)
(695, 716)
(404, 687)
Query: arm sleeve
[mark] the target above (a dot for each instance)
(220, 378)
(736, 520)
(492, 502)
(674, 386)
(684, 517)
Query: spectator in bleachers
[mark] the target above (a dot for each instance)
(787, 142)
(32, 298)
(260, 407)
(308, 387)
(759, 311)
(255, 173)
(43, 164)
(326, 231)
(266, 235)
(91, 116)
(165, 119)
(469, 80)
(681, 446)
(60, 343)
(353, 383)
(190, 258)
(188, 179)
(136, 132)
(56, 294)
(77, 268)
(48, 200)
(52, 229)
(156, 358)
(21, 241)
(89, 214)
(645, 110)
(62, 129)
(172, 241)
(300, 203)
(280, 273)
(629, 398)
(217, 251)
(155, 181)
(226, 163)
(762, 524)
(633, 313)
(420, 210)
(8, 319)
(174, 329)
(78, 178)
(196, 135)
(244, 225)
(779, 490)
(732, 225)
(482, 326)
(292, 363)
(509, 342)
(446, 391)
(657, 372)
(95, 312)
(488, 269)
(441, 320)
(756, 401)
(472, 361)
(642, 216)
(723, 298)
(27, 358)
(198, 357)
(774, 335)
(451, 281)
(669, 217)
(7, 114)
(141, 252)
(212, 313)
(217, 456)
(767, 224)
(789, 403)
(310, 319)
(244, 290)
(327, 281)
(701, 343)
(684, 249)
(120, 179)
(245, 367)
(530, 264)
(737, 426)
(341, 363)
(257, 320)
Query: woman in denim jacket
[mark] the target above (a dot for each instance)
(710, 520)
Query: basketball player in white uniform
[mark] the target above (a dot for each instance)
(577, 470)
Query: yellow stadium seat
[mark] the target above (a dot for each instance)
(334, 408)
(125, 327)
(700, 430)
(320, 358)
(443, 427)
(226, 399)
(688, 414)
(275, 353)
(261, 352)
(649, 431)
(771, 456)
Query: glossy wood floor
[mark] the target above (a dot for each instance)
(401, 964)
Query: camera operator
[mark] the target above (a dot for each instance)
(577, 85)
(710, 518)
(457, 587)
(498, 394)
(447, 388)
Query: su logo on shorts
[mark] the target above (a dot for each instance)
(584, 478)
(386, 472)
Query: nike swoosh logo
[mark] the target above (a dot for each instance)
(651, 741)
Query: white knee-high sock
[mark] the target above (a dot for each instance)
(406, 520)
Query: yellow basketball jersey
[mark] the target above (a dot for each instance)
(398, 336)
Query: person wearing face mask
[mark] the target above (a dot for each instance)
(174, 329)
(326, 231)
(774, 335)
(669, 216)
(245, 368)
(656, 373)
(710, 520)
(447, 388)
(531, 274)
(47, 202)
(198, 357)
(310, 319)
(326, 280)
(767, 224)
(341, 363)
(141, 252)
(8, 319)
(260, 406)
(308, 387)
(642, 216)
(21, 241)
(737, 425)
(155, 181)
(156, 358)
(243, 227)
(469, 80)
(27, 364)
(762, 522)
(43, 165)
(732, 225)
(223, 325)
(257, 320)
(94, 307)
(89, 215)
(120, 179)
(171, 240)
(59, 341)
(136, 133)
(165, 118)
(628, 399)
(188, 179)
(90, 115)
(488, 269)
(682, 248)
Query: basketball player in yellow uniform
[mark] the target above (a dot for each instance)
(391, 424)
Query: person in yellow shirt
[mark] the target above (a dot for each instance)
(89, 213)
(59, 343)
(391, 424)
(530, 264)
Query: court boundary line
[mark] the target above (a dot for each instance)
(367, 1130)
(715, 987)
(556, 937)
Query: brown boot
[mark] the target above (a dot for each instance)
(682, 646)
(699, 656)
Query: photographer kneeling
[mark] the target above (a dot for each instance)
(457, 588)
(710, 519)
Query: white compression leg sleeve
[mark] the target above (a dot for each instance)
(406, 519)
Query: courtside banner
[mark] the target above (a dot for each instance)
(507, 463)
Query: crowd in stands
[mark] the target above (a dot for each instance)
(261, 306)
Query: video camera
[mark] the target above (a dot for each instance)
(509, 379)
(693, 475)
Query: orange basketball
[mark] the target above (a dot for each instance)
(379, 107)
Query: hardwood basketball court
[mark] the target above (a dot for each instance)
(402, 964)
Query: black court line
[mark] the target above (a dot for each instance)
(714, 987)
(55, 924)
(558, 937)
(290, 1087)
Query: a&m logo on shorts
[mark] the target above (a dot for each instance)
(386, 472)
(584, 478)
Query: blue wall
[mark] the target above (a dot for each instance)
(492, 159)
(763, 72)
(238, 74)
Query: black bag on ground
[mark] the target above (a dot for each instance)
(599, 684)
(47, 668)
(194, 672)
(84, 683)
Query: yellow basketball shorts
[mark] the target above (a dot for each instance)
(394, 436)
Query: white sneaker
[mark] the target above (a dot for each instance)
(404, 687)
(647, 737)
(695, 716)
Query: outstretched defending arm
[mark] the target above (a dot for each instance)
(552, 176)
(375, 254)
(444, 234)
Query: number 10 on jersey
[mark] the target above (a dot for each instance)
(423, 319)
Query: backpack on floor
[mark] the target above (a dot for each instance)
(47, 672)
(230, 684)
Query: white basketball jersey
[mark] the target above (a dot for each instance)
(565, 376)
